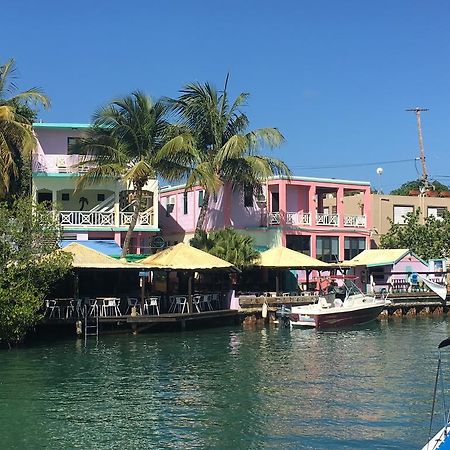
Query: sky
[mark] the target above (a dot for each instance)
(335, 76)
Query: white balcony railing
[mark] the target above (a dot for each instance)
(145, 218)
(92, 219)
(322, 219)
(355, 221)
(273, 218)
(86, 218)
(58, 163)
(292, 218)
(331, 220)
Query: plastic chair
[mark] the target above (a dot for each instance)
(52, 307)
(151, 302)
(132, 302)
(180, 304)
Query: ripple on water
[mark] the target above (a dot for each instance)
(225, 388)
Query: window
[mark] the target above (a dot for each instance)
(275, 202)
(353, 247)
(185, 203)
(100, 197)
(200, 198)
(72, 141)
(400, 213)
(170, 205)
(298, 243)
(327, 248)
(437, 212)
(65, 197)
(248, 197)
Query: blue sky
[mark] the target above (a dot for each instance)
(335, 76)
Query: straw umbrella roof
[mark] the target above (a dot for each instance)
(87, 258)
(285, 258)
(185, 257)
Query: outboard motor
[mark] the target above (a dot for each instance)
(283, 314)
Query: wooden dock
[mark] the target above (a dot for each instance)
(138, 323)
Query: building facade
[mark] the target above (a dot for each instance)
(305, 214)
(97, 212)
(387, 208)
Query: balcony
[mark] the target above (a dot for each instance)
(330, 220)
(304, 219)
(58, 163)
(355, 221)
(101, 219)
(292, 218)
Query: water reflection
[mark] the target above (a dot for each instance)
(225, 388)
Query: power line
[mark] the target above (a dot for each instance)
(337, 166)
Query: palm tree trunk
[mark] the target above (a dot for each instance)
(202, 216)
(137, 208)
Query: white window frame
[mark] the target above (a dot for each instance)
(400, 212)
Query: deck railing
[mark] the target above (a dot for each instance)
(355, 221)
(322, 219)
(89, 219)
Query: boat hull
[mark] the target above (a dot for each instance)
(339, 318)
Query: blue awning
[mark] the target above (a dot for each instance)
(107, 247)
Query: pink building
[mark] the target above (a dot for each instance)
(98, 212)
(305, 214)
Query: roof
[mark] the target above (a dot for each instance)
(380, 257)
(106, 246)
(87, 258)
(60, 125)
(185, 257)
(282, 257)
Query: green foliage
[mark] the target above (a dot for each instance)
(428, 240)
(226, 151)
(415, 185)
(131, 140)
(29, 265)
(17, 140)
(229, 245)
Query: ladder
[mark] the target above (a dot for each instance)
(90, 324)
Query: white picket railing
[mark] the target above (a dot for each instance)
(331, 220)
(86, 219)
(292, 218)
(273, 218)
(355, 221)
(144, 219)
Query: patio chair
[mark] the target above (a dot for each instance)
(52, 307)
(153, 303)
(132, 302)
(110, 307)
(180, 304)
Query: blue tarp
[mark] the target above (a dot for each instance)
(107, 247)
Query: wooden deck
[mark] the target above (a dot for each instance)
(140, 323)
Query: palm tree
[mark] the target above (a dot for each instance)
(228, 245)
(226, 151)
(129, 140)
(17, 140)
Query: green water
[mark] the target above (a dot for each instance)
(225, 388)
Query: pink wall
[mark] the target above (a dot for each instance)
(54, 140)
(295, 196)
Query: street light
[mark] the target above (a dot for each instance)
(379, 172)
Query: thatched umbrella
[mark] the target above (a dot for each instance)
(186, 258)
(285, 258)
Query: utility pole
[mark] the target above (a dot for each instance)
(417, 111)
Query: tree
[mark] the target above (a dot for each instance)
(29, 265)
(228, 245)
(226, 151)
(428, 240)
(413, 188)
(17, 140)
(129, 140)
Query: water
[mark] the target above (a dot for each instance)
(225, 388)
